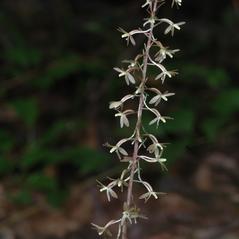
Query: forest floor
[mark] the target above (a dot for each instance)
(204, 205)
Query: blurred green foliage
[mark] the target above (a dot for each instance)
(56, 82)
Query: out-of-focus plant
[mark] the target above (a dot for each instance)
(146, 146)
(44, 126)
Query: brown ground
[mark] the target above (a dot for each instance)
(202, 206)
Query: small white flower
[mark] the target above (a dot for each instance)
(128, 77)
(100, 230)
(157, 159)
(108, 189)
(127, 97)
(121, 72)
(177, 2)
(118, 149)
(158, 118)
(165, 73)
(157, 99)
(172, 26)
(155, 149)
(115, 104)
(122, 181)
(148, 195)
(104, 229)
(132, 64)
(166, 94)
(123, 117)
(162, 76)
(164, 52)
(147, 3)
(129, 35)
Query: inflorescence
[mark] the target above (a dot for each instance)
(145, 146)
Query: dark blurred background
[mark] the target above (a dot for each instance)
(56, 81)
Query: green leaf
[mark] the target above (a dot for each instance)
(218, 78)
(183, 122)
(31, 157)
(22, 197)
(53, 133)
(176, 149)
(86, 159)
(23, 56)
(41, 182)
(89, 160)
(6, 166)
(6, 141)
(57, 70)
(214, 77)
(39, 155)
(94, 27)
(27, 110)
(56, 197)
(212, 126)
(227, 102)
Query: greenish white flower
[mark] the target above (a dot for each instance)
(157, 99)
(171, 25)
(117, 104)
(103, 230)
(123, 117)
(177, 2)
(148, 195)
(147, 3)
(118, 148)
(158, 118)
(157, 159)
(127, 75)
(163, 53)
(164, 72)
(127, 97)
(134, 64)
(155, 148)
(122, 181)
(109, 191)
(129, 35)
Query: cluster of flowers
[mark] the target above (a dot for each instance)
(153, 55)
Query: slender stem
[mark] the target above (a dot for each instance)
(153, 10)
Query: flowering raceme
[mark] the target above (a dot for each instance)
(141, 146)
